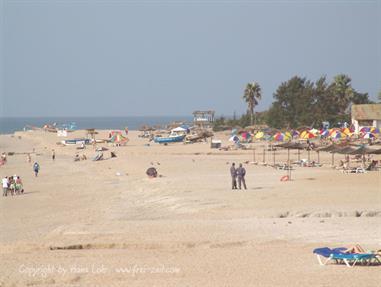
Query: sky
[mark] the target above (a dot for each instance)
(140, 58)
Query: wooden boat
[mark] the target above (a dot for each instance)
(169, 139)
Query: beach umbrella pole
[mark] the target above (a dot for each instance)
(288, 164)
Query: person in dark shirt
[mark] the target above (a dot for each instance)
(233, 174)
(36, 168)
(241, 172)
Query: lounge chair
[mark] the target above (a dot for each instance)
(355, 170)
(352, 258)
(338, 255)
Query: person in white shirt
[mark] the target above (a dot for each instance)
(5, 186)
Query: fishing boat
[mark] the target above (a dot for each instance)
(170, 139)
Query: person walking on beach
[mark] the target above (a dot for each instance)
(5, 183)
(241, 172)
(53, 154)
(36, 168)
(233, 174)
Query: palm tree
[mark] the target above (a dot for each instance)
(251, 96)
(343, 92)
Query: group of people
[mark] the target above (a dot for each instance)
(238, 173)
(12, 185)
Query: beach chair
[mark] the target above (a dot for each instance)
(351, 259)
(338, 256)
(326, 253)
(354, 170)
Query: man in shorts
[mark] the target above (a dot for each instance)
(5, 183)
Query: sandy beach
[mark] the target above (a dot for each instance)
(106, 223)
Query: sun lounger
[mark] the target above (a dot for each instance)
(338, 255)
(351, 259)
(354, 170)
(285, 167)
(327, 253)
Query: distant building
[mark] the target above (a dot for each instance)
(203, 118)
(366, 115)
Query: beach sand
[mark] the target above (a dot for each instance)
(106, 224)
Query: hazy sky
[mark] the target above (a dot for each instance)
(124, 58)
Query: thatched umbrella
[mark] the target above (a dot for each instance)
(146, 128)
(340, 150)
(288, 146)
(376, 151)
(345, 150)
(366, 150)
(362, 150)
(332, 149)
(91, 133)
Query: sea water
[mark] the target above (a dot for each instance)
(10, 125)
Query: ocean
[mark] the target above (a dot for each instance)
(10, 125)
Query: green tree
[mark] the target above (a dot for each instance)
(342, 93)
(293, 105)
(321, 100)
(251, 96)
(360, 98)
(299, 102)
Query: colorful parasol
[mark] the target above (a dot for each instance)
(307, 135)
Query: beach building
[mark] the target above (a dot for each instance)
(366, 115)
(203, 118)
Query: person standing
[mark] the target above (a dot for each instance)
(36, 168)
(53, 154)
(241, 172)
(5, 183)
(233, 174)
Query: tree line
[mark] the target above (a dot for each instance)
(301, 102)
